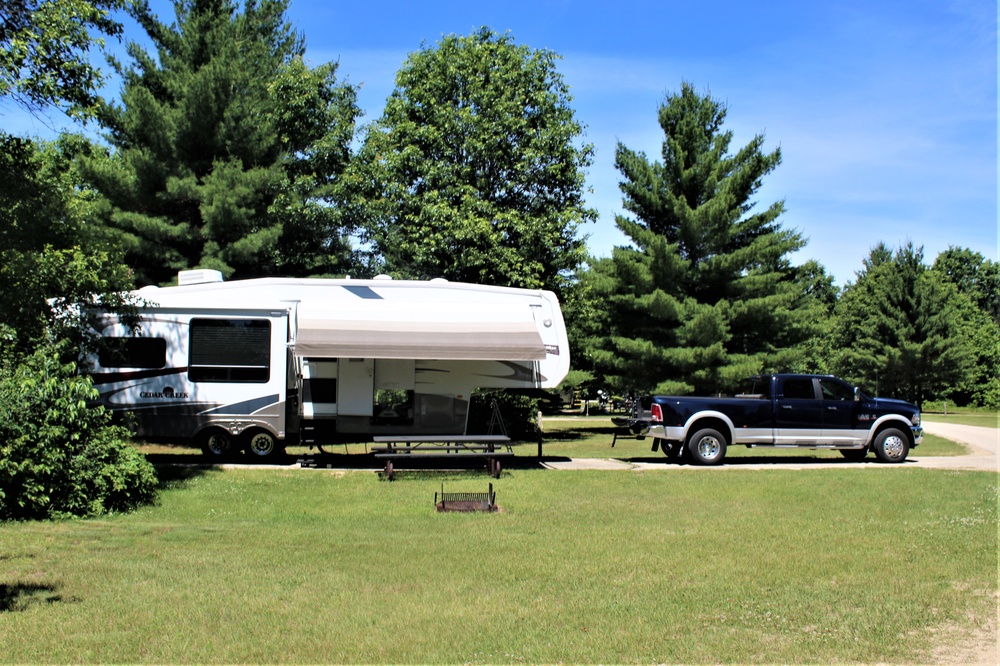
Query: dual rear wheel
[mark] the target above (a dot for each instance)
(220, 444)
(707, 447)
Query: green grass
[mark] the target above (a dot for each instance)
(579, 567)
(981, 419)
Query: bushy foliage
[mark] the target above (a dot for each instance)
(474, 172)
(45, 52)
(59, 457)
(54, 273)
(518, 411)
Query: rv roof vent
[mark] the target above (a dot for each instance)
(382, 276)
(200, 276)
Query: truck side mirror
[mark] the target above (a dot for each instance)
(857, 394)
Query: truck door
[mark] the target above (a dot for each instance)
(798, 413)
(840, 414)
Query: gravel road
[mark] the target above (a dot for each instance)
(983, 443)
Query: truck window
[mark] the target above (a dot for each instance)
(799, 389)
(229, 350)
(755, 387)
(834, 390)
(132, 352)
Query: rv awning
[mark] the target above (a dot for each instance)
(420, 331)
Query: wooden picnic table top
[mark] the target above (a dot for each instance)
(443, 439)
(441, 453)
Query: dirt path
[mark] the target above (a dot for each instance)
(983, 443)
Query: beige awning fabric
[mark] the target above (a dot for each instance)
(458, 332)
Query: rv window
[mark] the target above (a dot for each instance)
(230, 350)
(132, 352)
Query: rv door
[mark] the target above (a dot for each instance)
(356, 387)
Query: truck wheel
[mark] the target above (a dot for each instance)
(262, 444)
(672, 450)
(854, 454)
(217, 443)
(891, 445)
(707, 447)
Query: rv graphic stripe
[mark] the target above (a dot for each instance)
(247, 407)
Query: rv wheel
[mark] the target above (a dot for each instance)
(262, 444)
(217, 443)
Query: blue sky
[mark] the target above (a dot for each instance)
(885, 112)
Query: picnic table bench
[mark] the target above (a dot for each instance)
(395, 447)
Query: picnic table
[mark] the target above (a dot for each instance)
(394, 448)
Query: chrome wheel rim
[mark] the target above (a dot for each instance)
(709, 448)
(894, 446)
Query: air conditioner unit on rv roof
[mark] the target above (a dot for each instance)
(200, 276)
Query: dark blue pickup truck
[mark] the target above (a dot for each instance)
(792, 411)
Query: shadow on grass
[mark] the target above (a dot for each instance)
(741, 460)
(177, 468)
(19, 597)
(176, 471)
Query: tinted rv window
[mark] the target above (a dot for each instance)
(132, 352)
(230, 350)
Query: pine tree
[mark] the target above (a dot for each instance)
(705, 294)
(904, 330)
(977, 278)
(226, 147)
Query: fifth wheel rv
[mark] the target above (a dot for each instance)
(257, 364)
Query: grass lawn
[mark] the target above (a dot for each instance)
(581, 567)
(980, 418)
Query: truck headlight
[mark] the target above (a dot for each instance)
(915, 419)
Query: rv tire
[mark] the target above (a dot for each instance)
(217, 443)
(262, 444)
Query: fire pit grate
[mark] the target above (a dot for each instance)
(465, 501)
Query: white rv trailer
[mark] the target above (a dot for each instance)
(255, 364)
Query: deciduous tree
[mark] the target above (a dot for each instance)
(475, 171)
(57, 456)
(44, 52)
(53, 270)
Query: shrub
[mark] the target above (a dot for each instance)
(518, 411)
(58, 456)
